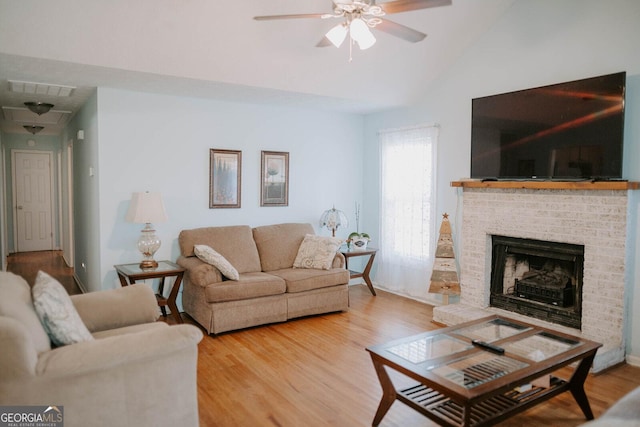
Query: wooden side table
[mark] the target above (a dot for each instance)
(371, 252)
(133, 272)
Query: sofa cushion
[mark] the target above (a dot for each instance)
(302, 279)
(250, 285)
(210, 256)
(131, 329)
(235, 243)
(317, 252)
(16, 302)
(278, 244)
(57, 312)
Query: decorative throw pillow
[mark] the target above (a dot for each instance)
(317, 252)
(57, 313)
(210, 256)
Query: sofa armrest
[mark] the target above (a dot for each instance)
(338, 261)
(116, 308)
(627, 407)
(624, 413)
(18, 356)
(199, 272)
(112, 352)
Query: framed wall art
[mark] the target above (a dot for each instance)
(274, 184)
(225, 170)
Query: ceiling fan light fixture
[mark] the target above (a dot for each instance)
(360, 32)
(33, 129)
(39, 108)
(359, 16)
(337, 34)
(375, 10)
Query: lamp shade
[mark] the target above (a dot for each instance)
(332, 219)
(146, 208)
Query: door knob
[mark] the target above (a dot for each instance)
(19, 207)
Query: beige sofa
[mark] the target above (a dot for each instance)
(137, 372)
(269, 290)
(624, 413)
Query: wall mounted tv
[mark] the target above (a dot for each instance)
(566, 131)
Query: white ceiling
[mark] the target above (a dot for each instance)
(214, 49)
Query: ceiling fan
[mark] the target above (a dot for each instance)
(358, 16)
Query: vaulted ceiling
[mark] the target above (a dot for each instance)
(204, 48)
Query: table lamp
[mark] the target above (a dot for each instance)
(332, 219)
(146, 208)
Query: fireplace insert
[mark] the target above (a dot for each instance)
(538, 279)
(547, 287)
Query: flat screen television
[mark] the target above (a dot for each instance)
(565, 131)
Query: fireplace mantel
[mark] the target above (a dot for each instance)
(550, 185)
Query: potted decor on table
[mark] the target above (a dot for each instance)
(358, 241)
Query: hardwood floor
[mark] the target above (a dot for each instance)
(27, 265)
(315, 371)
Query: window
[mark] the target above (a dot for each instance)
(407, 209)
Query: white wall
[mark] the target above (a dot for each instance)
(86, 213)
(535, 43)
(3, 208)
(161, 143)
(632, 166)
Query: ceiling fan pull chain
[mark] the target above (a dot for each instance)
(351, 49)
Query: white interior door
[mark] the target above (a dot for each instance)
(33, 200)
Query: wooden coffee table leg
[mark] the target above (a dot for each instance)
(388, 392)
(576, 385)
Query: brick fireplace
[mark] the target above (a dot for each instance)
(592, 216)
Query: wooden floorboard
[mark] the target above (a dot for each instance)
(27, 265)
(315, 371)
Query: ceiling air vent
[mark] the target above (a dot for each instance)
(40, 88)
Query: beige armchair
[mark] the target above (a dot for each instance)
(137, 372)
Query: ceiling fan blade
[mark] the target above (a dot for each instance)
(398, 6)
(324, 42)
(398, 30)
(304, 15)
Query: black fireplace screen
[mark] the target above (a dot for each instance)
(537, 278)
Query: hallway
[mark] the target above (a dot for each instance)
(27, 265)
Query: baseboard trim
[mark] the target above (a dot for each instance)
(79, 283)
(66, 261)
(633, 360)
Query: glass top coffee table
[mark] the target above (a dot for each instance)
(482, 372)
